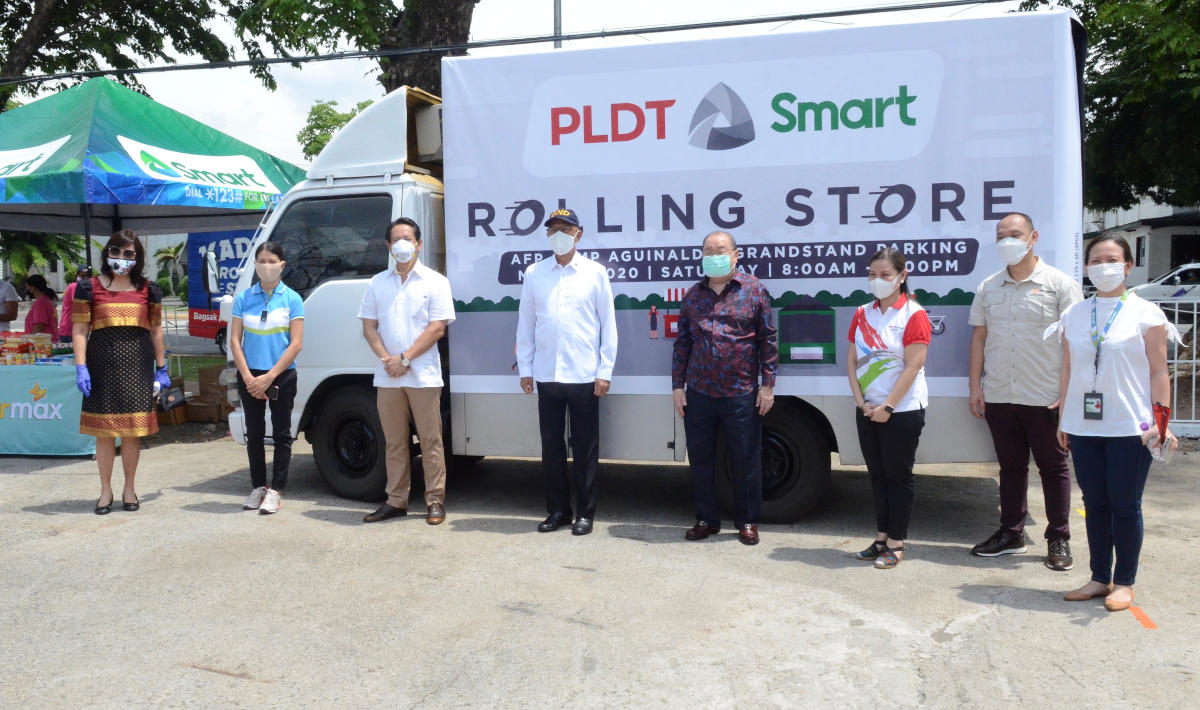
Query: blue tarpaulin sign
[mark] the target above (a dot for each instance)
(39, 412)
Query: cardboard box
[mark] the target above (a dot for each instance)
(176, 416)
(211, 390)
(198, 411)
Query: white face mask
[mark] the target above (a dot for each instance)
(562, 243)
(1012, 250)
(403, 251)
(268, 273)
(882, 288)
(1106, 277)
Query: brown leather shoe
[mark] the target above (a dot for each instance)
(1118, 604)
(748, 534)
(1078, 595)
(384, 512)
(700, 531)
(436, 514)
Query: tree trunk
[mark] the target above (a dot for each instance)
(25, 47)
(423, 23)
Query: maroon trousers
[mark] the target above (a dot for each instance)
(1017, 430)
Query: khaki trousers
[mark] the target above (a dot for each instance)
(424, 404)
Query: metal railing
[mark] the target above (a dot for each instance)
(1182, 362)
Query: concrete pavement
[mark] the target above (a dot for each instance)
(192, 602)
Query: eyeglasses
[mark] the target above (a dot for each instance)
(118, 253)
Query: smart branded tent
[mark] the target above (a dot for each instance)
(99, 157)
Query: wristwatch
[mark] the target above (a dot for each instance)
(888, 408)
(405, 361)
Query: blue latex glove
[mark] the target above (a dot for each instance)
(83, 380)
(162, 380)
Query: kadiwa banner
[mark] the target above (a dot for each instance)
(813, 149)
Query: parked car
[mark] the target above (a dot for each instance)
(1177, 292)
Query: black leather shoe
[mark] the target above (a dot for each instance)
(582, 526)
(130, 507)
(554, 521)
(384, 512)
(104, 509)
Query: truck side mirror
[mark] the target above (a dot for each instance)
(211, 283)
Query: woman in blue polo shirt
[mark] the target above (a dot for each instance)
(266, 335)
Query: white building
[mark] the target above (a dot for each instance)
(1162, 236)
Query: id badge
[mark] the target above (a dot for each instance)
(1093, 405)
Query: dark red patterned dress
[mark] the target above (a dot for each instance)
(120, 358)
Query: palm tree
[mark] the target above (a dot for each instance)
(23, 251)
(172, 260)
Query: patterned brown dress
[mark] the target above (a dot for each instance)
(120, 358)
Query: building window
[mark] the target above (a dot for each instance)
(1140, 252)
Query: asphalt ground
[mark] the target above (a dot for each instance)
(191, 602)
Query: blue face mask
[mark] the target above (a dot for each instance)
(716, 265)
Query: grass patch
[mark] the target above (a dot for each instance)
(191, 364)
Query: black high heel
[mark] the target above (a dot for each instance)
(131, 507)
(104, 509)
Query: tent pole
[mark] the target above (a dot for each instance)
(85, 211)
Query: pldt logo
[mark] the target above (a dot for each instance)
(721, 103)
(628, 121)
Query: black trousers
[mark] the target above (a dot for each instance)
(555, 399)
(890, 449)
(255, 411)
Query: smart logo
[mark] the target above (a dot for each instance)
(870, 112)
(232, 171)
(721, 103)
(24, 161)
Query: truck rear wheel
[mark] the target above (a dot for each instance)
(348, 444)
(795, 466)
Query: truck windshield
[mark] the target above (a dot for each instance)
(333, 238)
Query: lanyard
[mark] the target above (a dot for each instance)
(267, 306)
(1098, 337)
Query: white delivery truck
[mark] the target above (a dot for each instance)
(813, 148)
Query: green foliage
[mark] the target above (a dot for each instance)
(28, 251)
(181, 289)
(172, 264)
(323, 121)
(164, 285)
(1141, 100)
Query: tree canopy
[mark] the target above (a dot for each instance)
(55, 36)
(1141, 100)
(323, 121)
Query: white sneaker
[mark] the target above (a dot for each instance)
(270, 503)
(255, 499)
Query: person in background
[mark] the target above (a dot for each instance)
(726, 343)
(266, 334)
(9, 303)
(119, 361)
(567, 344)
(886, 366)
(653, 322)
(1114, 383)
(64, 321)
(1014, 386)
(42, 316)
(405, 312)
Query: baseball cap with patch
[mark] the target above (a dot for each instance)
(564, 215)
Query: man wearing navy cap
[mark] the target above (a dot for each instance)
(567, 343)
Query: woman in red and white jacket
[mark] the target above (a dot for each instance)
(889, 339)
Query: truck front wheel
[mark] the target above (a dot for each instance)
(795, 466)
(348, 444)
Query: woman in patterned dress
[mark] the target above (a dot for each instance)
(119, 360)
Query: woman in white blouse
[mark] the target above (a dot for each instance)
(1114, 383)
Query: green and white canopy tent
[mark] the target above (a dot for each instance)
(99, 157)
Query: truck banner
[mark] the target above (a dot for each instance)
(813, 149)
(232, 249)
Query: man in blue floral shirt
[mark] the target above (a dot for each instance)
(727, 342)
